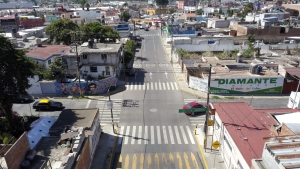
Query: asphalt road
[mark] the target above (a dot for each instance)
(152, 134)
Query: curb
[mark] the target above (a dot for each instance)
(112, 152)
(201, 151)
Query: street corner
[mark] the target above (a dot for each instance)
(198, 134)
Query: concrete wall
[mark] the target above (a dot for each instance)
(16, 154)
(84, 158)
(47, 87)
(269, 160)
(94, 139)
(35, 86)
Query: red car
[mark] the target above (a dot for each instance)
(192, 105)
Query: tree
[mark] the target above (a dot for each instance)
(229, 12)
(87, 6)
(57, 70)
(125, 16)
(15, 69)
(171, 10)
(59, 30)
(82, 3)
(199, 12)
(162, 3)
(246, 11)
(220, 11)
(129, 51)
(99, 32)
(125, 4)
(248, 53)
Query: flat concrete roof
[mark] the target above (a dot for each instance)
(75, 117)
(48, 149)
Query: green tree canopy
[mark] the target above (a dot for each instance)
(59, 30)
(171, 10)
(129, 51)
(15, 69)
(82, 3)
(199, 12)
(97, 31)
(162, 3)
(56, 70)
(246, 11)
(125, 16)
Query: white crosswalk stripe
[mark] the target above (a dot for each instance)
(151, 34)
(198, 120)
(105, 112)
(151, 86)
(155, 135)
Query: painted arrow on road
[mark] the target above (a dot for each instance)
(166, 75)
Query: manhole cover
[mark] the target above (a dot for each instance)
(153, 110)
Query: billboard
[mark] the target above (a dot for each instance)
(249, 85)
(198, 83)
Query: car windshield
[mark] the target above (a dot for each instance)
(189, 106)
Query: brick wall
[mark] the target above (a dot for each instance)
(16, 154)
(85, 157)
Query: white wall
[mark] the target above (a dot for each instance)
(35, 86)
(87, 14)
(231, 155)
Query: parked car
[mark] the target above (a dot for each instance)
(24, 99)
(192, 105)
(130, 71)
(47, 104)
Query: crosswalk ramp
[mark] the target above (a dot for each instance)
(105, 112)
(176, 160)
(154, 135)
(152, 86)
(143, 35)
(196, 120)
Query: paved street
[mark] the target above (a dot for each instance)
(151, 132)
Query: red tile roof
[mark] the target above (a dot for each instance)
(46, 51)
(252, 125)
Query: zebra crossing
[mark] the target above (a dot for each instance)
(105, 112)
(195, 120)
(152, 86)
(150, 34)
(174, 160)
(135, 135)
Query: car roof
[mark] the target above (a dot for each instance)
(44, 101)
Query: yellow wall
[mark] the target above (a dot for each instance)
(150, 12)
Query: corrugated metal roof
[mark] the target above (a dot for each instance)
(251, 125)
(294, 71)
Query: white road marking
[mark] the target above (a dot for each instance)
(148, 86)
(155, 84)
(152, 86)
(133, 135)
(176, 85)
(158, 135)
(127, 135)
(159, 84)
(152, 134)
(183, 135)
(168, 87)
(171, 84)
(121, 135)
(146, 135)
(177, 135)
(140, 135)
(164, 86)
(165, 134)
(88, 104)
(171, 135)
(190, 134)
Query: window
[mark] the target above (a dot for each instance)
(49, 61)
(104, 56)
(107, 72)
(93, 69)
(84, 56)
(227, 142)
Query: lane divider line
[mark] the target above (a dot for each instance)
(201, 151)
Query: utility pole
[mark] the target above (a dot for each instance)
(111, 111)
(78, 69)
(207, 104)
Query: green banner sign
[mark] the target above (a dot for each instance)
(193, 110)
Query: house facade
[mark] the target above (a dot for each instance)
(96, 62)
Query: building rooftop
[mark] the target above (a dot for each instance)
(48, 150)
(285, 149)
(98, 48)
(75, 117)
(46, 51)
(245, 126)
